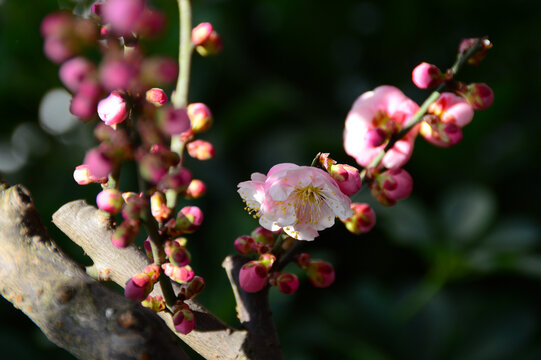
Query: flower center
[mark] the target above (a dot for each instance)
(307, 201)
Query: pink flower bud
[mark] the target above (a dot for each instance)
(264, 236)
(325, 161)
(98, 164)
(267, 260)
(439, 133)
(189, 219)
(173, 121)
(206, 40)
(244, 244)
(200, 150)
(184, 320)
(117, 74)
(181, 275)
(159, 71)
(158, 207)
(156, 97)
(392, 185)
(347, 177)
(177, 254)
(84, 102)
(287, 283)
(112, 110)
(97, 8)
(110, 200)
(154, 303)
(450, 108)
(426, 76)
(253, 276)
(178, 180)
(466, 45)
(151, 23)
(320, 273)
(56, 23)
(362, 220)
(155, 165)
(74, 71)
(57, 50)
(82, 176)
(134, 207)
(303, 260)
(153, 271)
(123, 14)
(200, 117)
(195, 190)
(479, 95)
(125, 234)
(138, 287)
(201, 33)
(193, 288)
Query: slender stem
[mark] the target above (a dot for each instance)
(180, 98)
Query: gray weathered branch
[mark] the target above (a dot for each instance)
(254, 312)
(73, 310)
(83, 224)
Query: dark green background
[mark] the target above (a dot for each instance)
(454, 272)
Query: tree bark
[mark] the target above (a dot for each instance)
(72, 309)
(84, 225)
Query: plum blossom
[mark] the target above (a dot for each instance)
(301, 200)
(375, 116)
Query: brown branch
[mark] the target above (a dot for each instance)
(82, 223)
(254, 312)
(73, 310)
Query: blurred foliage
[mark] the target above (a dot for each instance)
(452, 273)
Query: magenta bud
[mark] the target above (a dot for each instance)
(82, 176)
(320, 273)
(159, 71)
(134, 207)
(426, 76)
(287, 283)
(113, 109)
(173, 121)
(189, 219)
(154, 303)
(195, 190)
(74, 71)
(97, 8)
(125, 234)
(200, 150)
(138, 287)
(244, 244)
(84, 102)
(303, 260)
(262, 235)
(110, 200)
(156, 97)
(56, 23)
(178, 180)
(200, 117)
(253, 276)
(362, 220)
(181, 275)
(184, 320)
(123, 15)
(392, 185)
(267, 260)
(347, 177)
(98, 164)
(153, 271)
(193, 288)
(151, 23)
(117, 74)
(477, 57)
(479, 95)
(206, 40)
(177, 254)
(57, 50)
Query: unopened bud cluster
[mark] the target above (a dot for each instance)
(129, 93)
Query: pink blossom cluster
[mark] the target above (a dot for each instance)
(128, 92)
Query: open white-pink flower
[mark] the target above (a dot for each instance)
(301, 200)
(375, 116)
